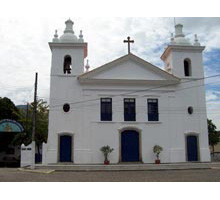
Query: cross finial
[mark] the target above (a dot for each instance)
(129, 41)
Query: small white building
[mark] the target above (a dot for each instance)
(128, 104)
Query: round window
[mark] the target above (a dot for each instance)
(66, 107)
(190, 110)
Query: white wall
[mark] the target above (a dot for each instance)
(90, 134)
(26, 155)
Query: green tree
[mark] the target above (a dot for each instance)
(8, 109)
(214, 136)
(41, 123)
(25, 117)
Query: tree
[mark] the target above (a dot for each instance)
(8, 109)
(25, 118)
(41, 123)
(214, 136)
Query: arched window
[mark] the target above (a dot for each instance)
(67, 65)
(187, 67)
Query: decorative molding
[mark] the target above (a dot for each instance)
(89, 75)
(180, 48)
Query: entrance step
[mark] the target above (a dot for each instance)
(128, 167)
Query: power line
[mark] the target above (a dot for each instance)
(162, 110)
(149, 89)
(13, 86)
(153, 94)
(17, 89)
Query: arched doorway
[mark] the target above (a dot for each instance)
(130, 151)
(192, 148)
(65, 148)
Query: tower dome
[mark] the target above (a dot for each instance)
(179, 36)
(68, 35)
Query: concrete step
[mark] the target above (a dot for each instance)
(128, 167)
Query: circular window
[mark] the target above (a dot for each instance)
(66, 107)
(190, 110)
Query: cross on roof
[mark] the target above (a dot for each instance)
(128, 41)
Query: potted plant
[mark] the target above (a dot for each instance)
(157, 150)
(106, 150)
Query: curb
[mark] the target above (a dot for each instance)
(36, 171)
(121, 170)
(93, 169)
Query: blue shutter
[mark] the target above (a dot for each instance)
(106, 109)
(153, 114)
(129, 110)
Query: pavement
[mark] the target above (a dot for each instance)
(195, 175)
(185, 172)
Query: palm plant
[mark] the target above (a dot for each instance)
(157, 150)
(106, 150)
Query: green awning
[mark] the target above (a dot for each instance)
(10, 126)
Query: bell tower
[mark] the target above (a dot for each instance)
(185, 60)
(68, 55)
(182, 58)
(68, 52)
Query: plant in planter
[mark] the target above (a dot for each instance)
(157, 150)
(106, 150)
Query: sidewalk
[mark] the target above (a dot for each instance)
(129, 167)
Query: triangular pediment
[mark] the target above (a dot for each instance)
(128, 68)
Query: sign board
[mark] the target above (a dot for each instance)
(11, 126)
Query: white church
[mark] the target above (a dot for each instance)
(129, 104)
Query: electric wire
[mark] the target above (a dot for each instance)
(149, 89)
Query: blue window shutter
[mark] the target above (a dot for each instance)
(106, 109)
(153, 114)
(129, 109)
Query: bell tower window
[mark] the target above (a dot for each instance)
(67, 65)
(187, 67)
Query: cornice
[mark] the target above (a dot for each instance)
(181, 48)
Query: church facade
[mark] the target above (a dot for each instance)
(128, 104)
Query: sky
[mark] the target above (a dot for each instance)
(24, 49)
(26, 27)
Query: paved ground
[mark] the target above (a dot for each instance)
(205, 175)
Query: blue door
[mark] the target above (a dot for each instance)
(65, 148)
(192, 148)
(130, 146)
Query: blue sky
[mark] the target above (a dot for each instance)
(24, 49)
(212, 67)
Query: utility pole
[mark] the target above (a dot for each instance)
(34, 121)
(35, 108)
(27, 110)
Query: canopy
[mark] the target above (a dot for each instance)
(11, 126)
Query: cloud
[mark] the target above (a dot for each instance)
(24, 47)
(212, 96)
(207, 28)
(213, 106)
